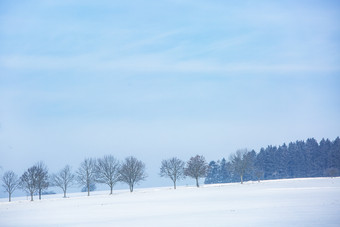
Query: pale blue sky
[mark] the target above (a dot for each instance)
(157, 79)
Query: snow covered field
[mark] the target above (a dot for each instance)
(294, 202)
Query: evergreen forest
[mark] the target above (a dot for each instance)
(295, 160)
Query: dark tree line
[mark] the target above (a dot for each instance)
(299, 159)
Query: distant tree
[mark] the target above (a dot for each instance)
(63, 179)
(258, 174)
(242, 162)
(86, 174)
(132, 171)
(93, 187)
(213, 174)
(172, 168)
(28, 181)
(10, 183)
(196, 168)
(42, 182)
(48, 193)
(332, 172)
(225, 172)
(108, 171)
(334, 154)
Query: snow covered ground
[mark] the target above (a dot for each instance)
(293, 202)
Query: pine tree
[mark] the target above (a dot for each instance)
(212, 173)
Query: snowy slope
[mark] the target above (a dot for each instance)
(294, 202)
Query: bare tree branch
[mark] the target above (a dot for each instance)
(241, 162)
(42, 178)
(63, 179)
(86, 174)
(28, 181)
(108, 171)
(132, 171)
(172, 168)
(196, 168)
(10, 183)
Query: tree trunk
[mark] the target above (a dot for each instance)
(197, 182)
(9, 197)
(111, 189)
(31, 196)
(39, 194)
(241, 179)
(131, 188)
(88, 191)
(174, 184)
(65, 189)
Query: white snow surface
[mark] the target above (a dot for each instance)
(291, 202)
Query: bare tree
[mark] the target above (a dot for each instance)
(332, 172)
(241, 162)
(86, 174)
(28, 181)
(132, 171)
(196, 168)
(42, 178)
(259, 173)
(173, 168)
(63, 179)
(108, 171)
(10, 183)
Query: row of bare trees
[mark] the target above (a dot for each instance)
(34, 180)
(176, 169)
(106, 170)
